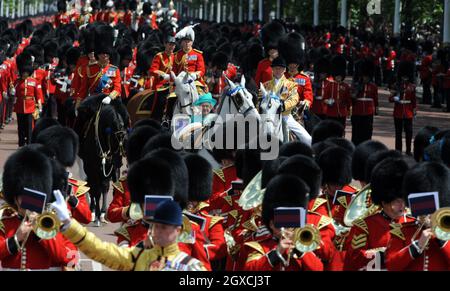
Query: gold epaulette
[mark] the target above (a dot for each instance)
(77, 182)
(233, 213)
(362, 225)
(82, 190)
(228, 199)
(118, 185)
(324, 221)
(250, 225)
(359, 241)
(317, 203)
(220, 174)
(256, 246)
(202, 205)
(198, 51)
(396, 229)
(2, 227)
(123, 232)
(123, 178)
(79, 72)
(343, 201)
(215, 220)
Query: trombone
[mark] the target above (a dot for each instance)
(439, 223)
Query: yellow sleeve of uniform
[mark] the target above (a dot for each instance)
(292, 99)
(108, 254)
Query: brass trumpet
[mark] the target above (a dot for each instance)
(307, 238)
(46, 225)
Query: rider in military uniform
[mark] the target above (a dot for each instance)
(102, 77)
(163, 63)
(188, 59)
(286, 90)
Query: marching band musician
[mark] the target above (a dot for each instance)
(369, 236)
(414, 245)
(278, 252)
(20, 247)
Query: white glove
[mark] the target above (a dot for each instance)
(166, 77)
(12, 91)
(106, 100)
(396, 98)
(330, 102)
(4, 95)
(60, 206)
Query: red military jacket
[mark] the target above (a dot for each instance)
(341, 94)
(327, 251)
(38, 254)
(130, 234)
(80, 71)
(261, 256)
(12, 68)
(215, 246)
(318, 107)
(61, 19)
(41, 75)
(372, 232)
(4, 80)
(437, 73)
(404, 108)
(231, 73)
(28, 94)
(263, 72)
(126, 75)
(121, 200)
(191, 62)
(390, 61)
(366, 100)
(161, 64)
(82, 211)
(401, 256)
(304, 86)
(222, 179)
(425, 67)
(101, 80)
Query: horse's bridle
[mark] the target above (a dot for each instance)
(231, 93)
(120, 136)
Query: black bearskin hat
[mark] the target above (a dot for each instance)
(137, 140)
(361, 155)
(336, 165)
(386, 181)
(26, 168)
(200, 177)
(63, 141)
(326, 129)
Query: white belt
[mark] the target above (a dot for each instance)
(364, 99)
(404, 101)
(318, 97)
(18, 269)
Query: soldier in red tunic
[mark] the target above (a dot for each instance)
(414, 246)
(337, 93)
(278, 251)
(28, 94)
(404, 99)
(426, 71)
(62, 17)
(20, 247)
(221, 67)
(321, 80)
(369, 236)
(365, 103)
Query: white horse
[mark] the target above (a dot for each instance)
(187, 94)
(270, 109)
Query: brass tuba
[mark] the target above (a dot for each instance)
(360, 206)
(440, 223)
(307, 238)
